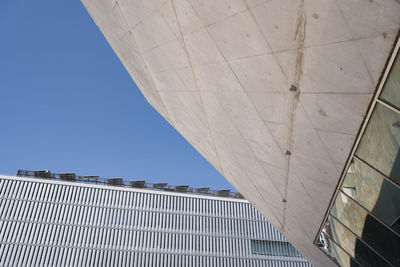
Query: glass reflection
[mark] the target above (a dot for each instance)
(337, 254)
(380, 143)
(371, 231)
(351, 244)
(373, 192)
(349, 213)
(390, 92)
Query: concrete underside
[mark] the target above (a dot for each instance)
(220, 71)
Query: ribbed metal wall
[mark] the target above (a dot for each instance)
(59, 224)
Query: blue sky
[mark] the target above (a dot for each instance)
(67, 103)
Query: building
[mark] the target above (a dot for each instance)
(362, 227)
(272, 93)
(69, 220)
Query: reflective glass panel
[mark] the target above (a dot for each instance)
(336, 253)
(380, 143)
(350, 243)
(349, 213)
(391, 89)
(373, 192)
(370, 230)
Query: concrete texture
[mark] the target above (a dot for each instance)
(220, 71)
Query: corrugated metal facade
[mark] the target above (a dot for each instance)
(48, 223)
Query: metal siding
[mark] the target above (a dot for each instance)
(54, 224)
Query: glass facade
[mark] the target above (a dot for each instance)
(51, 223)
(363, 225)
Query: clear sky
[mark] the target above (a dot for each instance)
(67, 103)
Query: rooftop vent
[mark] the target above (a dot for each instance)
(223, 193)
(115, 181)
(22, 173)
(43, 174)
(181, 188)
(138, 184)
(95, 179)
(67, 176)
(169, 189)
(202, 190)
(237, 195)
(160, 185)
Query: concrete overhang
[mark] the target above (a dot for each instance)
(272, 93)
